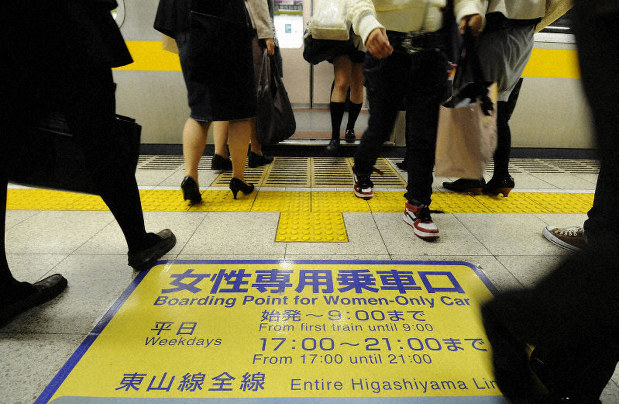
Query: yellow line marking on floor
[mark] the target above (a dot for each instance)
(307, 216)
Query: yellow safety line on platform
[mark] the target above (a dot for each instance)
(554, 63)
(307, 216)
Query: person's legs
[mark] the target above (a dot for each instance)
(238, 141)
(356, 100)
(428, 79)
(598, 53)
(221, 160)
(194, 141)
(337, 104)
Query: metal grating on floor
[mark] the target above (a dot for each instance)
(390, 177)
(160, 162)
(577, 166)
(288, 172)
(252, 175)
(331, 172)
(535, 166)
(318, 172)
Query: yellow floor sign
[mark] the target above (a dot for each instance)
(289, 332)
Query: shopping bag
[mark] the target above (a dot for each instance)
(275, 119)
(467, 134)
(46, 155)
(169, 44)
(330, 21)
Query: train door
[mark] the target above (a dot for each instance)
(309, 87)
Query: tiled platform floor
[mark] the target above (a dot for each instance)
(87, 247)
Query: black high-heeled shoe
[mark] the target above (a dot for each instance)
(237, 185)
(502, 185)
(221, 163)
(191, 191)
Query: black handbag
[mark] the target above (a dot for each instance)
(274, 115)
(46, 155)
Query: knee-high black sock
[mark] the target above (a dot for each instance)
(337, 113)
(353, 114)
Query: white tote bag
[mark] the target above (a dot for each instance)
(330, 21)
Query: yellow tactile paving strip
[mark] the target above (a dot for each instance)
(310, 211)
(307, 216)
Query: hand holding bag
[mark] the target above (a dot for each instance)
(467, 132)
(274, 116)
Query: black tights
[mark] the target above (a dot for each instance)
(504, 134)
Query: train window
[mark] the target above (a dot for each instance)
(288, 21)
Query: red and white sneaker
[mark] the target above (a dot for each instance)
(363, 185)
(418, 217)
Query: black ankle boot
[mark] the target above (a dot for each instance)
(333, 147)
(191, 191)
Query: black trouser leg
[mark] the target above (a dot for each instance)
(90, 115)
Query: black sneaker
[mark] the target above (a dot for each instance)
(363, 184)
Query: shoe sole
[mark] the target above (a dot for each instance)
(557, 241)
(422, 235)
(362, 195)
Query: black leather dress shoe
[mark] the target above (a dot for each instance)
(349, 136)
(28, 296)
(333, 147)
(145, 258)
(466, 185)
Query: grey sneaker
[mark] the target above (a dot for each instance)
(572, 238)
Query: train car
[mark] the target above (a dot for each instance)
(551, 116)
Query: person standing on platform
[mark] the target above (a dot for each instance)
(504, 48)
(406, 69)
(264, 38)
(214, 43)
(571, 317)
(57, 58)
(346, 93)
